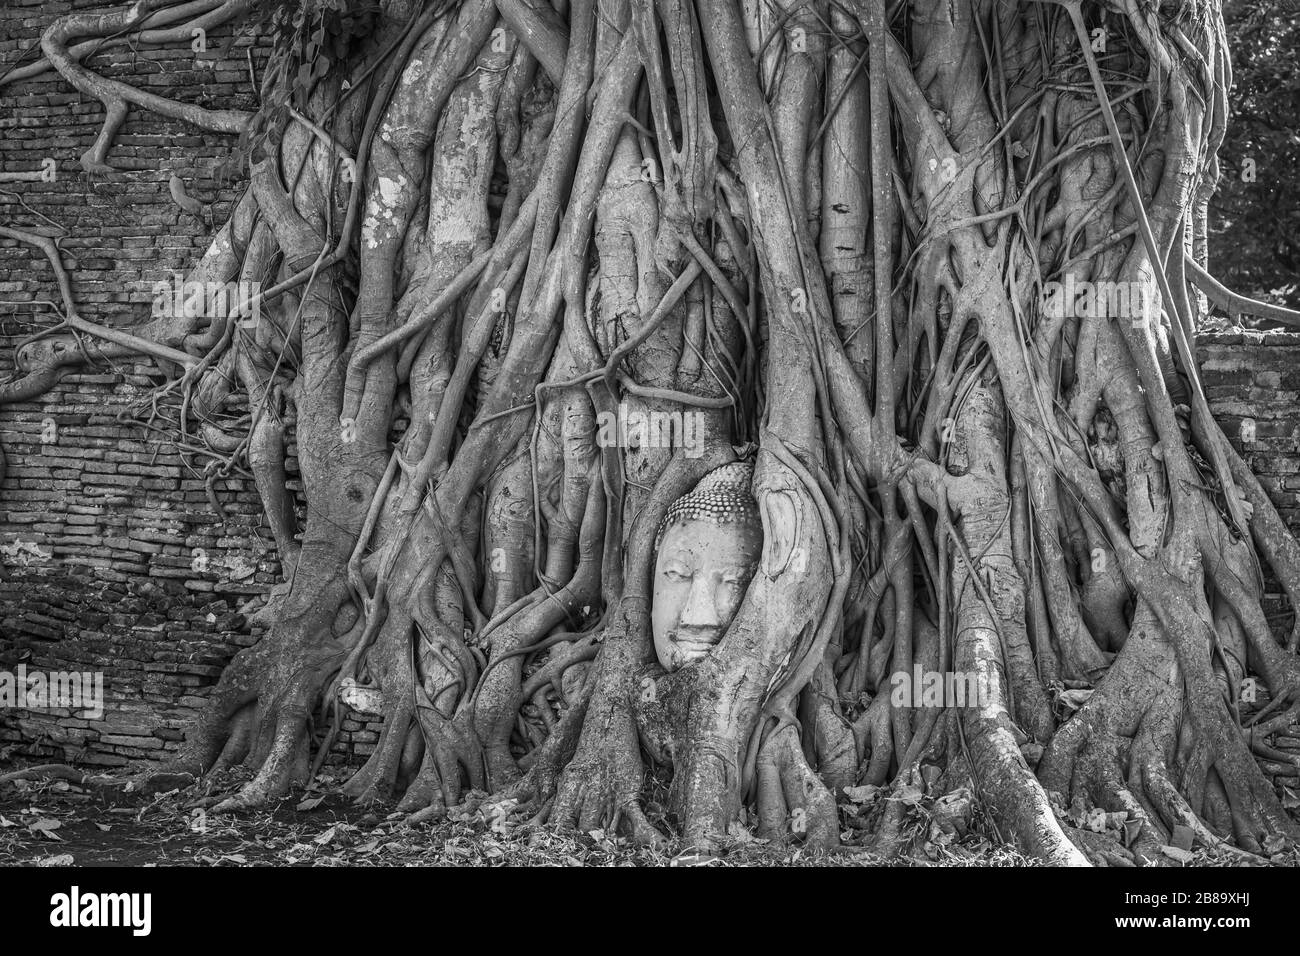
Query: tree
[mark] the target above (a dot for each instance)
(1257, 208)
(930, 267)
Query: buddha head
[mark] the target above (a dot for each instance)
(708, 546)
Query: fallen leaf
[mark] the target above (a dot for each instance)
(1182, 856)
(1274, 844)
(864, 794)
(739, 832)
(1074, 699)
(46, 827)
(909, 794)
(1182, 837)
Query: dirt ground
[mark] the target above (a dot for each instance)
(61, 824)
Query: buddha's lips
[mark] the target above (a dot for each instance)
(698, 642)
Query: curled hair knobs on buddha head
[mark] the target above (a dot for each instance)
(722, 496)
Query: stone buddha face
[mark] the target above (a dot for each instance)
(709, 544)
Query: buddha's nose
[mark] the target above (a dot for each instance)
(700, 610)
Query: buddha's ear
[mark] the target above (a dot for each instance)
(782, 517)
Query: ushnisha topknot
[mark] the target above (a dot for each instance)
(722, 496)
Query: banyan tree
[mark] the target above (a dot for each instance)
(684, 392)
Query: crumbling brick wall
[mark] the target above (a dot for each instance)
(1252, 381)
(112, 558)
(104, 524)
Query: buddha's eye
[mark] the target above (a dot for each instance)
(677, 574)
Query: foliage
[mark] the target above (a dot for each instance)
(307, 37)
(1255, 216)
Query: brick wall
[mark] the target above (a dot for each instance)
(111, 556)
(103, 524)
(1252, 381)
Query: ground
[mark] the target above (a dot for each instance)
(60, 824)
